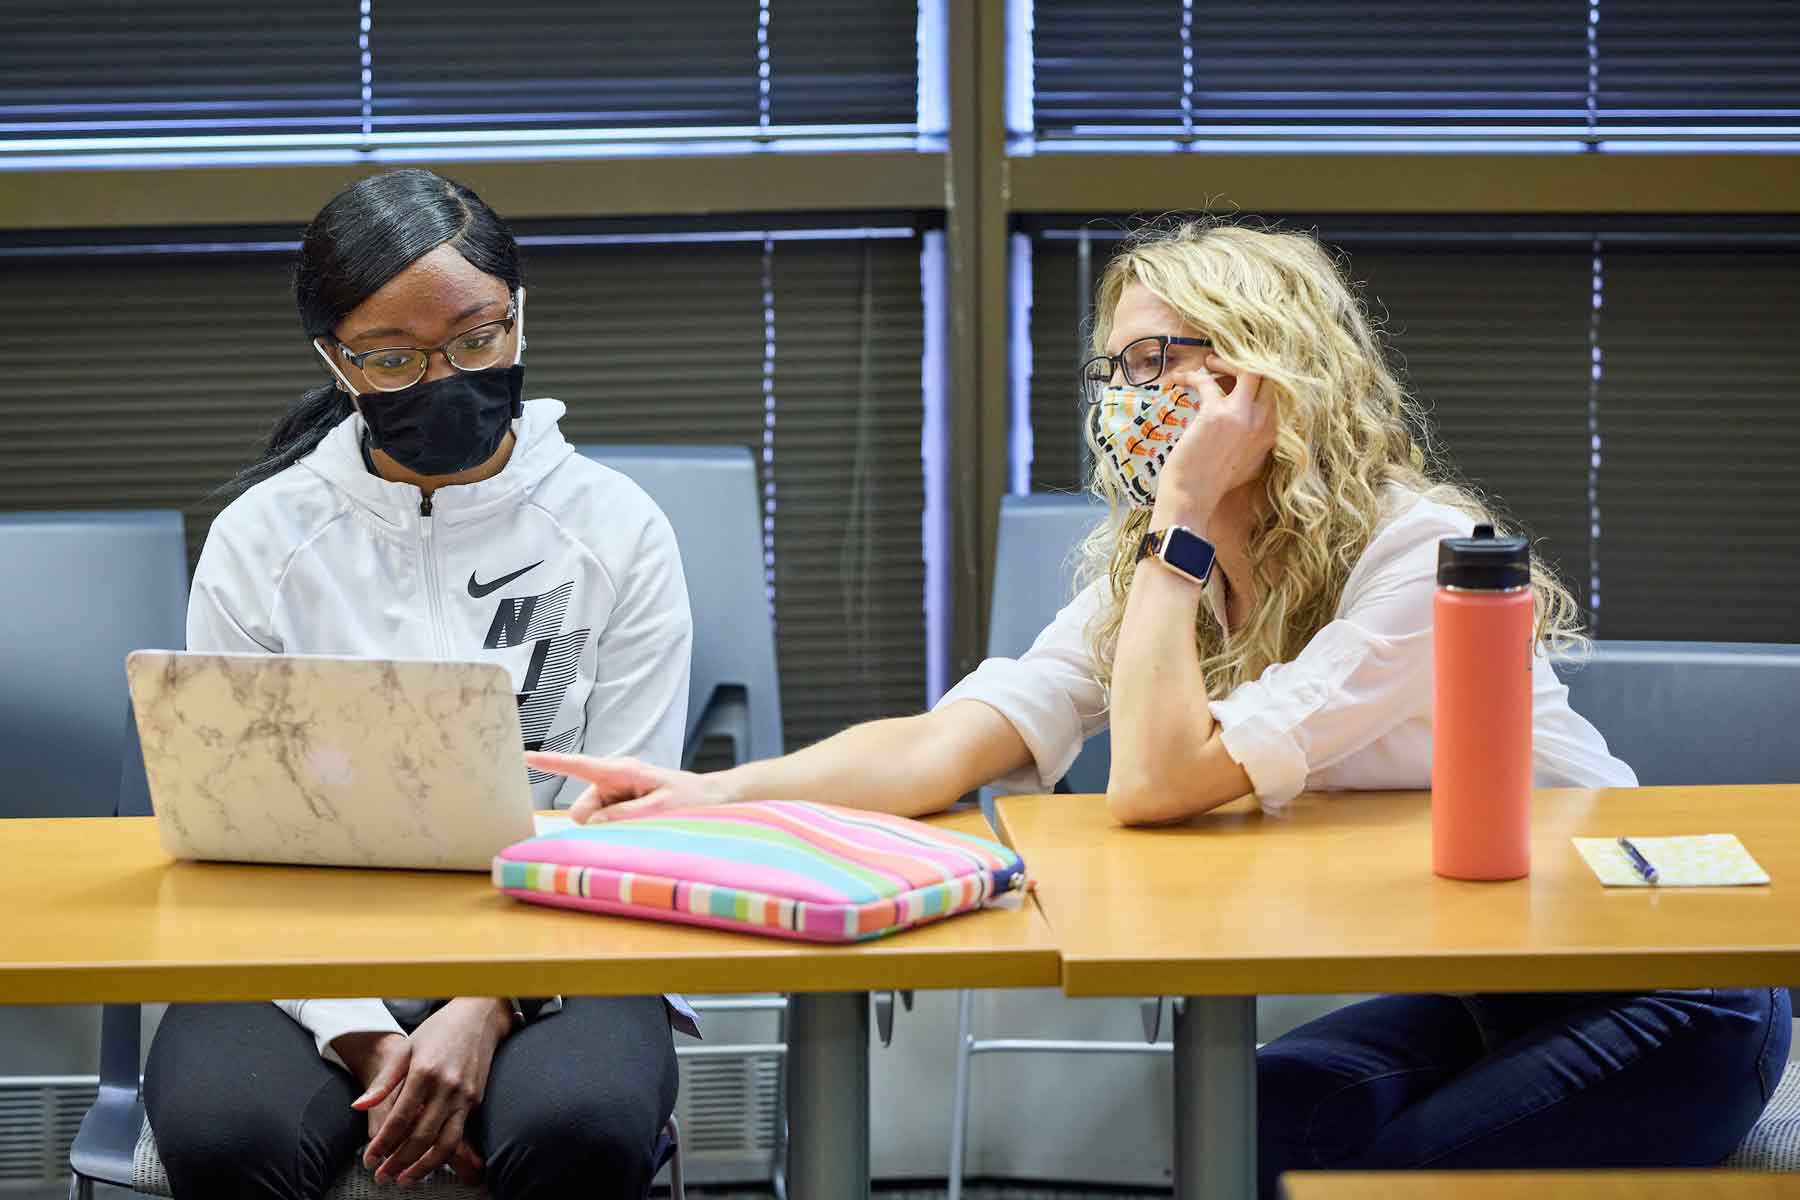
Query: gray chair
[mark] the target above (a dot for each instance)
(1693, 712)
(79, 591)
(1034, 573)
(1034, 576)
(710, 496)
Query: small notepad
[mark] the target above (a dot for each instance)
(1704, 860)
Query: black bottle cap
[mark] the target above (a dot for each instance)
(1484, 562)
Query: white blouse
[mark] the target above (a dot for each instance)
(1351, 711)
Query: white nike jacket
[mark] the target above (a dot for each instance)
(559, 569)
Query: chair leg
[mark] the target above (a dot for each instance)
(80, 1188)
(778, 1172)
(677, 1183)
(959, 1102)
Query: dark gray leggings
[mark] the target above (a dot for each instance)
(242, 1104)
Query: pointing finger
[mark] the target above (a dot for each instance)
(612, 777)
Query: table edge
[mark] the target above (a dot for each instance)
(1093, 975)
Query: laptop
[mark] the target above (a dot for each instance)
(331, 761)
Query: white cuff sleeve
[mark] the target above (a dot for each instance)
(1262, 744)
(1051, 695)
(328, 1019)
(1044, 720)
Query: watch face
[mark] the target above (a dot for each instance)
(1187, 553)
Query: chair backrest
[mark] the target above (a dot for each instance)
(79, 591)
(1034, 569)
(1688, 713)
(710, 496)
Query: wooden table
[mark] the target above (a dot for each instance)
(1536, 1185)
(96, 912)
(1338, 896)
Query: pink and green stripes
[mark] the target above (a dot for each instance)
(785, 868)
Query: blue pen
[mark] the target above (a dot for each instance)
(1638, 861)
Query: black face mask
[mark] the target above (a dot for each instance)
(448, 425)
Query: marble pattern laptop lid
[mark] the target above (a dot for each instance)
(331, 761)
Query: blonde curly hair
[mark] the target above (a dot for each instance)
(1277, 304)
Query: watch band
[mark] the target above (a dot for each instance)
(1181, 550)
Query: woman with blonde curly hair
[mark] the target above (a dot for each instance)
(1256, 619)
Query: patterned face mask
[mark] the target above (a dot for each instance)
(1134, 428)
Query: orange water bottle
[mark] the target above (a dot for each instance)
(1481, 708)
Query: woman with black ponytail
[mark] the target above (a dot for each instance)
(416, 506)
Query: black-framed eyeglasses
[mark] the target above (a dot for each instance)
(394, 368)
(1140, 362)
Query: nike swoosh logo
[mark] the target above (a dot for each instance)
(478, 590)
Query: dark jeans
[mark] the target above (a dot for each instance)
(242, 1104)
(1660, 1079)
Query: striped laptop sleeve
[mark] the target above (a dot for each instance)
(816, 872)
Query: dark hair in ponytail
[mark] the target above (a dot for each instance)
(367, 234)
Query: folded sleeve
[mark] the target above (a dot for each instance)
(329, 1019)
(1362, 675)
(1051, 695)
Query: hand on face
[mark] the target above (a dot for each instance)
(1227, 440)
(1224, 446)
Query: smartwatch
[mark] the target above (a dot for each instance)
(1181, 550)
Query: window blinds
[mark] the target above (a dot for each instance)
(1387, 69)
(345, 72)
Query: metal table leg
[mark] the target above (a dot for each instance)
(828, 1096)
(1215, 1098)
